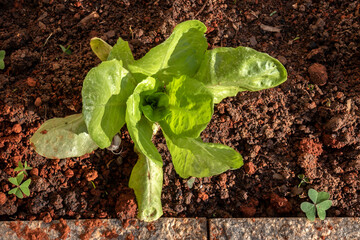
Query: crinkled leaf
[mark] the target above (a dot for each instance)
(191, 107)
(63, 138)
(192, 157)
(105, 91)
(180, 54)
(121, 51)
(227, 71)
(325, 205)
(139, 127)
(313, 195)
(146, 179)
(100, 48)
(2, 56)
(155, 106)
(14, 181)
(322, 196)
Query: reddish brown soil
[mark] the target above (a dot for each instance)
(309, 125)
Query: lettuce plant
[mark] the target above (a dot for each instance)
(173, 87)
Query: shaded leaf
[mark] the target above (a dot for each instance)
(121, 51)
(63, 137)
(100, 48)
(105, 91)
(140, 128)
(227, 71)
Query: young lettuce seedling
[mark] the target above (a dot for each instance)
(320, 204)
(174, 87)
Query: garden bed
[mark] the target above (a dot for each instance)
(308, 125)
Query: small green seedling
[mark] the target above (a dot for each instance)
(303, 179)
(66, 49)
(22, 188)
(2, 56)
(321, 203)
(22, 168)
(274, 12)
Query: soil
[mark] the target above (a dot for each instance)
(309, 125)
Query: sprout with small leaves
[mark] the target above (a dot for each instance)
(22, 188)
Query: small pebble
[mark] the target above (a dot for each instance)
(3, 198)
(17, 128)
(30, 82)
(38, 102)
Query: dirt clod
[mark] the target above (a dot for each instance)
(318, 74)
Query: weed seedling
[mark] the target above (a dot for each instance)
(22, 188)
(303, 179)
(2, 56)
(22, 168)
(66, 49)
(320, 204)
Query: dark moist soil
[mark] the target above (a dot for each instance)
(309, 125)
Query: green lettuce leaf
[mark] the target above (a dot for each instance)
(100, 48)
(180, 54)
(121, 51)
(191, 107)
(105, 91)
(63, 138)
(139, 127)
(227, 71)
(155, 106)
(194, 158)
(146, 179)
